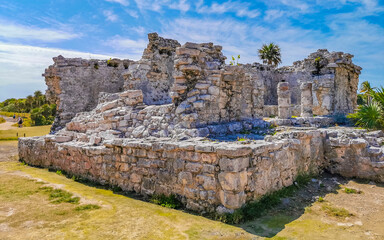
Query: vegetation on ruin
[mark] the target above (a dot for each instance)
(2, 120)
(235, 61)
(35, 110)
(370, 114)
(270, 54)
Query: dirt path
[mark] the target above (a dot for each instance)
(8, 124)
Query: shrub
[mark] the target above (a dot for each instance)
(170, 201)
(2, 120)
(370, 115)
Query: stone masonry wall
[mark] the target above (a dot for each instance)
(207, 92)
(211, 176)
(206, 175)
(153, 74)
(334, 81)
(74, 84)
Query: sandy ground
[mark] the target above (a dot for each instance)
(8, 124)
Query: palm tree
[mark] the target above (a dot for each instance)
(366, 90)
(29, 101)
(37, 95)
(270, 54)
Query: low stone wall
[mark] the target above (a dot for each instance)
(207, 176)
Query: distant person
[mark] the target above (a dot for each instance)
(14, 116)
(20, 122)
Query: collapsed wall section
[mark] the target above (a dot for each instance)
(334, 81)
(153, 74)
(207, 92)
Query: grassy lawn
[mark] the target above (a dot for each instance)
(11, 134)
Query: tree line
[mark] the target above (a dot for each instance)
(40, 110)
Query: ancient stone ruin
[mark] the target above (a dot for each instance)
(168, 123)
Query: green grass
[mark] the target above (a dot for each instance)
(257, 208)
(14, 134)
(60, 196)
(321, 199)
(335, 211)
(351, 191)
(87, 207)
(2, 120)
(170, 201)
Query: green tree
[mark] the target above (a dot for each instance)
(37, 96)
(366, 90)
(29, 102)
(270, 54)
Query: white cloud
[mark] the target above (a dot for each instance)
(302, 5)
(122, 2)
(132, 13)
(16, 31)
(181, 5)
(110, 16)
(132, 48)
(239, 8)
(139, 30)
(273, 14)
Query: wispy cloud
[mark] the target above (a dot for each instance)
(240, 9)
(10, 30)
(112, 17)
(122, 2)
(182, 5)
(131, 48)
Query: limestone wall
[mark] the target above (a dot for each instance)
(334, 81)
(354, 153)
(153, 74)
(207, 175)
(206, 91)
(204, 174)
(74, 84)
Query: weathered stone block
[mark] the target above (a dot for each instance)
(232, 200)
(235, 182)
(233, 164)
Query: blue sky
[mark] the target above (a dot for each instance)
(34, 31)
